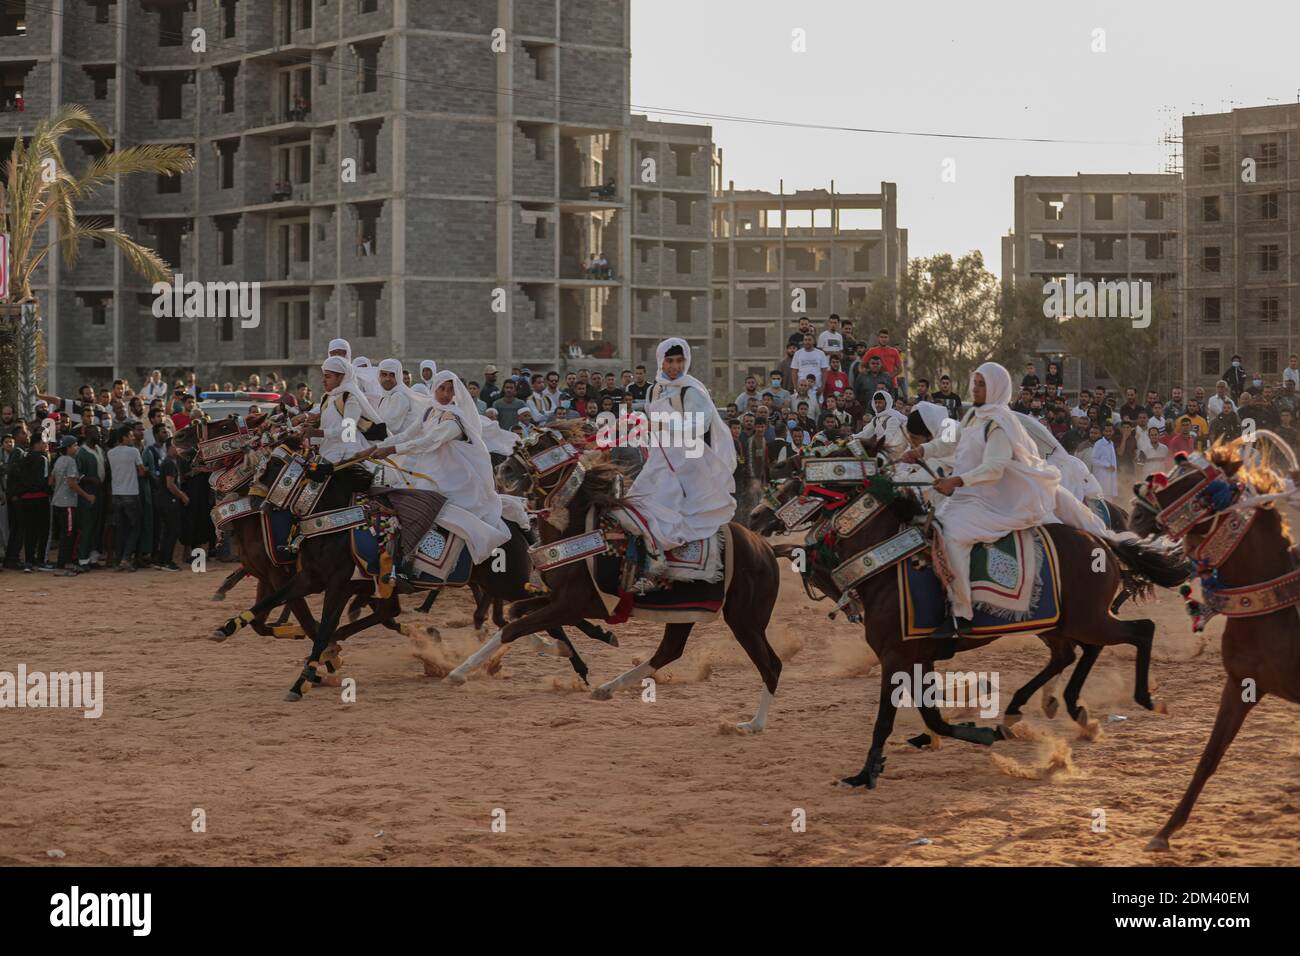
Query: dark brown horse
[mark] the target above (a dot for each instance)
(1085, 618)
(246, 535)
(764, 521)
(1261, 651)
(325, 565)
(747, 605)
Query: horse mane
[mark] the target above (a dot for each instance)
(1264, 480)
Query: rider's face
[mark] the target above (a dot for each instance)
(674, 366)
(388, 380)
(445, 393)
(979, 390)
(331, 380)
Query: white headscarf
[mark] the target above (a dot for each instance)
(721, 442)
(336, 344)
(933, 415)
(996, 408)
(462, 404)
(420, 389)
(336, 363)
(394, 366)
(432, 366)
(890, 411)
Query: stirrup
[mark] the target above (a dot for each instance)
(643, 585)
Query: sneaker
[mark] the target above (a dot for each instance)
(46, 567)
(167, 567)
(27, 569)
(66, 573)
(123, 566)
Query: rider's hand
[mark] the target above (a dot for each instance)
(913, 455)
(385, 452)
(946, 486)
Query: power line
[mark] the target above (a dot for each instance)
(309, 60)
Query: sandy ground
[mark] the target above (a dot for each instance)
(413, 771)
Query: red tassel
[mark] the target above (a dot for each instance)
(622, 611)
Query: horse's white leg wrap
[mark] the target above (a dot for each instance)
(476, 660)
(626, 679)
(760, 717)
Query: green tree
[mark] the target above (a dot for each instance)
(1130, 356)
(951, 309)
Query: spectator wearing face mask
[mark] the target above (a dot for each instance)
(1236, 376)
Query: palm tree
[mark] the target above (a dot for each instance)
(40, 187)
(41, 191)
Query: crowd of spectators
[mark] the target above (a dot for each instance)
(94, 482)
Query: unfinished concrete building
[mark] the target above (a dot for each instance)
(392, 172)
(1242, 174)
(1098, 227)
(779, 256)
(672, 266)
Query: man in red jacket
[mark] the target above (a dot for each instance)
(891, 360)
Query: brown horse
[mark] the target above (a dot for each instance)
(1261, 640)
(246, 534)
(1085, 618)
(764, 521)
(573, 598)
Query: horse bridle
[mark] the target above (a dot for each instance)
(554, 474)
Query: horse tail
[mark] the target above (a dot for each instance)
(1148, 564)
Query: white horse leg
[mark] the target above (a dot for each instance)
(760, 718)
(475, 660)
(626, 679)
(544, 645)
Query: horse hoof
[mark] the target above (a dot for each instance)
(293, 697)
(1158, 844)
(1160, 707)
(218, 635)
(747, 727)
(1081, 715)
(1050, 707)
(602, 693)
(455, 679)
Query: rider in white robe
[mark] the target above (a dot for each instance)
(928, 422)
(428, 369)
(684, 493)
(399, 407)
(498, 440)
(368, 377)
(1075, 476)
(887, 426)
(1000, 483)
(445, 446)
(345, 414)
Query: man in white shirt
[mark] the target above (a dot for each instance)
(1292, 371)
(810, 360)
(155, 387)
(832, 339)
(1220, 400)
(540, 402)
(126, 468)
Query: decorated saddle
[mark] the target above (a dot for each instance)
(613, 546)
(1015, 587)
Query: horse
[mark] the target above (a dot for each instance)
(325, 564)
(565, 495)
(1245, 544)
(1086, 618)
(764, 520)
(245, 531)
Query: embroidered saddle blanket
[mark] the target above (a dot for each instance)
(1015, 587)
(689, 597)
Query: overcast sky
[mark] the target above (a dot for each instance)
(1011, 68)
